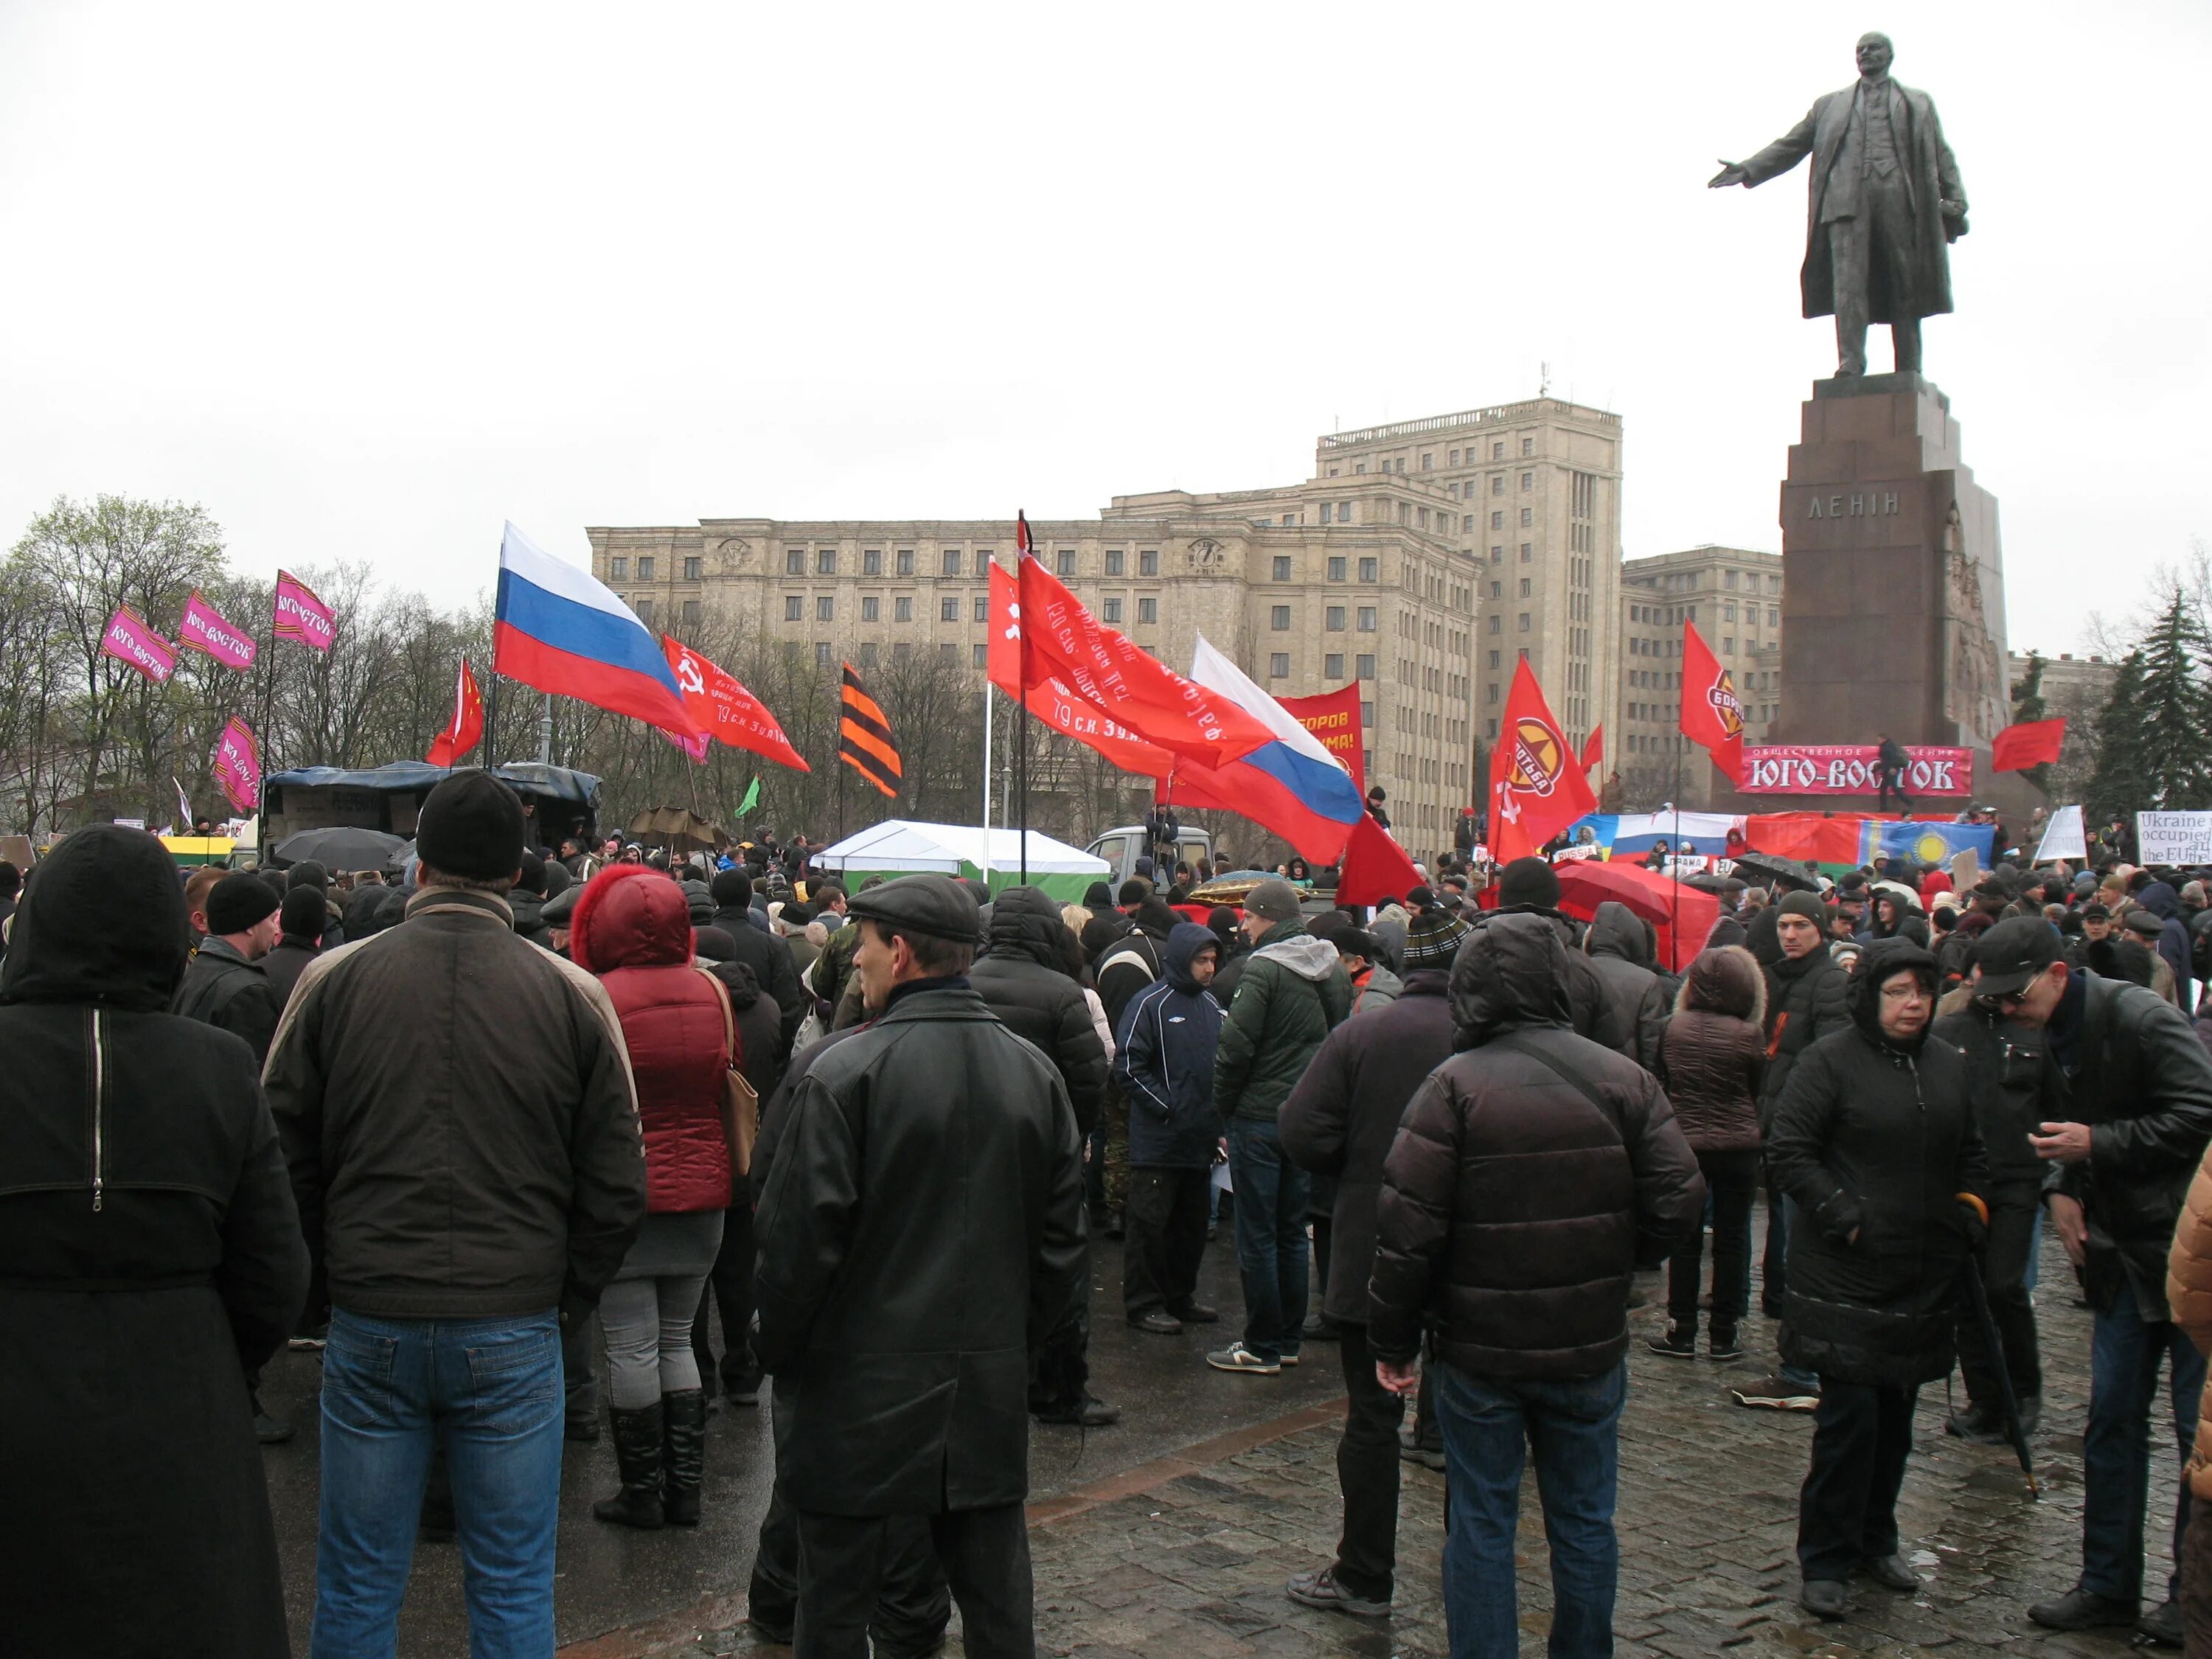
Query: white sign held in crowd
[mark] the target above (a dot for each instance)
(2063, 837)
(2173, 837)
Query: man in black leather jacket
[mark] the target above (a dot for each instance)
(2139, 1092)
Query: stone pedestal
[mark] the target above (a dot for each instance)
(1892, 583)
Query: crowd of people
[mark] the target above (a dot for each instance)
(512, 1126)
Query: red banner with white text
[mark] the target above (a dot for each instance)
(1851, 768)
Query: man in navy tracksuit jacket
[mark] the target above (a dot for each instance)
(1164, 1064)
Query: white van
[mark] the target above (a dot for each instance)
(1123, 846)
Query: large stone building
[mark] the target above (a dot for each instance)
(1734, 595)
(1383, 567)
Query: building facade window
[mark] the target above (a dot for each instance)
(795, 608)
(1068, 561)
(1526, 551)
(979, 656)
(1528, 516)
(694, 566)
(1148, 610)
(1333, 619)
(1113, 611)
(1524, 587)
(868, 655)
(903, 609)
(619, 568)
(1371, 570)
(1524, 622)
(1117, 561)
(1498, 520)
(1367, 618)
(1148, 561)
(794, 561)
(872, 609)
(948, 608)
(982, 607)
(951, 561)
(691, 613)
(1332, 665)
(1282, 568)
(825, 609)
(645, 610)
(1363, 667)
(906, 562)
(825, 561)
(1279, 665)
(645, 567)
(1336, 567)
(821, 653)
(872, 562)
(1279, 618)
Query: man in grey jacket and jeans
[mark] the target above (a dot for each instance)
(456, 1108)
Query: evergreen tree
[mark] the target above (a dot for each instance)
(2119, 787)
(2028, 707)
(2176, 710)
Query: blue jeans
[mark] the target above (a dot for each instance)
(1575, 1428)
(491, 1390)
(2125, 1351)
(1271, 1199)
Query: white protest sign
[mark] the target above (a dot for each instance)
(2174, 837)
(2062, 837)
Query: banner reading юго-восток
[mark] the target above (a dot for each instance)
(1851, 768)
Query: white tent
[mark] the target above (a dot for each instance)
(902, 846)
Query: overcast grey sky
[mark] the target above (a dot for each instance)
(366, 281)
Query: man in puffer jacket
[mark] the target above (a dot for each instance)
(1533, 1173)
(1875, 1141)
(1165, 1065)
(1530, 887)
(1023, 979)
(1292, 993)
(1619, 946)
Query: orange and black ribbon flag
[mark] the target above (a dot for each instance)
(864, 737)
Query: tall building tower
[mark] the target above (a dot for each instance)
(1535, 495)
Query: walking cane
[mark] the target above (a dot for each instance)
(1977, 1293)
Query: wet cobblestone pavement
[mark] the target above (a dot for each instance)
(1187, 1555)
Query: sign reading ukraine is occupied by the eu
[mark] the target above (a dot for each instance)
(1851, 768)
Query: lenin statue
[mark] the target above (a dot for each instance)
(1885, 201)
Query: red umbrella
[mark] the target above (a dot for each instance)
(1682, 915)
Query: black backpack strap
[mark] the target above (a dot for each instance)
(1566, 1073)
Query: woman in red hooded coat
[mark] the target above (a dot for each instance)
(632, 928)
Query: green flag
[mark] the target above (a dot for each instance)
(752, 794)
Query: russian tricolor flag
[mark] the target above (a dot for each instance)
(556, 628)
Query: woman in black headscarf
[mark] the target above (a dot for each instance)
(152, 1257)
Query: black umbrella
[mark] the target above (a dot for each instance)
(1782, 871)
(1977, 1296)
(342, 846)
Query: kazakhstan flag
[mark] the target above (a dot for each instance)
(1930, 840)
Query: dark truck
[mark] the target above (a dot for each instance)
(559, 802)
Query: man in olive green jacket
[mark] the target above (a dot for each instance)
(1292, 993)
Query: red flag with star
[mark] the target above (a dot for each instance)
(1537, 784)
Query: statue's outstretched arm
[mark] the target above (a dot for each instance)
(1778, 158)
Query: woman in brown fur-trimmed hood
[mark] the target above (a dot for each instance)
(1712, 1057)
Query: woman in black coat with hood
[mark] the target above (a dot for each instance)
(153, 1257)
(1874, 1138)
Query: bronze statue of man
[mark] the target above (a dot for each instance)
(1887, 201)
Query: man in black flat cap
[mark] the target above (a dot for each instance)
(225, 985)
(920, 1234)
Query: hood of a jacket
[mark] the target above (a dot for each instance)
(103, 922)
(1025, 922)
(631, 915)
(1302, 953)
(1157, 917)
(2160, 900)
(1185, 940)
(1760, 938)
(1618, 931)
(1100, 932)
(1724, 980)
(1884, 959)
(1511, 973)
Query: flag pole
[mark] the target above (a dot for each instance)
(986, 782)
(1675, 866)
(1023, 550)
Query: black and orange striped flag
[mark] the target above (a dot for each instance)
(864, 737)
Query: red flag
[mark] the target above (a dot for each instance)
(238, 766)
(1536, 790)
(1005, 650)
(723, 708)
(1711, 716)
(466, 726)
(1374, 867)
(1594, 750)
(2019, 747)
(1061, 639)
